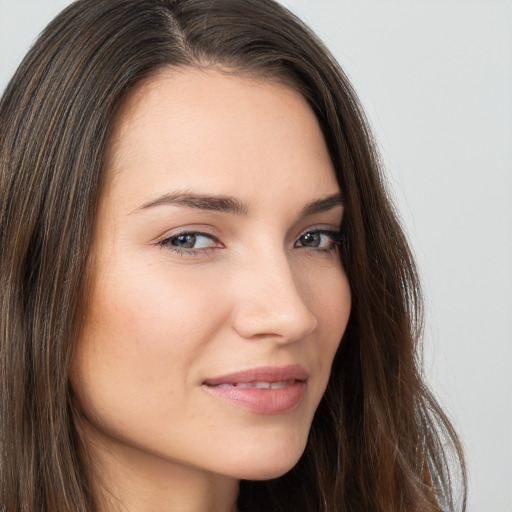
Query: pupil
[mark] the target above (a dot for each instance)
(311, 239)
(185, 241)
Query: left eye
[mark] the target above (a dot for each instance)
(323, 240)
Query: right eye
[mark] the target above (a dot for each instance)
(189, 242)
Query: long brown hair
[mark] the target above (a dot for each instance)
(379, 441)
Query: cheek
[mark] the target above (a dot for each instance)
(147, 307)
(332, 306)
(143, 331)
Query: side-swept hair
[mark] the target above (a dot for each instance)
(379, 441)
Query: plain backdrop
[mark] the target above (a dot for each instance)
(435, 77)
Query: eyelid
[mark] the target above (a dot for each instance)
(193, 229)
(322, 228)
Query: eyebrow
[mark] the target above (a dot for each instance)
(322, 205)
(227, 204)
(199, 201)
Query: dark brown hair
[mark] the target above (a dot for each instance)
(379, 441)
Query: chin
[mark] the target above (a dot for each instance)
(267, 462)
(268, 473)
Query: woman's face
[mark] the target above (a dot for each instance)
(218, 298)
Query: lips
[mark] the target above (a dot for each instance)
(264, 390)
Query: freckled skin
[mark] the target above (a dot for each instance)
(161, 319)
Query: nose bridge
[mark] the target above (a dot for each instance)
(270, 302)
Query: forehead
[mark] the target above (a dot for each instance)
(213, 130)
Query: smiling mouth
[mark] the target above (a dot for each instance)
(265, 390)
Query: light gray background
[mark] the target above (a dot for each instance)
(435, 77)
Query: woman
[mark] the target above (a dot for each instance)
(208, 303)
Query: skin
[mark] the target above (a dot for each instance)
(161, 319)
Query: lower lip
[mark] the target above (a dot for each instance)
(262, 401)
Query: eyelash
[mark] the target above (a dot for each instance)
(335, 242)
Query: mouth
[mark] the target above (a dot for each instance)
(264, 390)
(258, 385)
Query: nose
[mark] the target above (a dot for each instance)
(269, 303)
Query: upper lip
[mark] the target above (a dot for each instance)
(262, 374)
